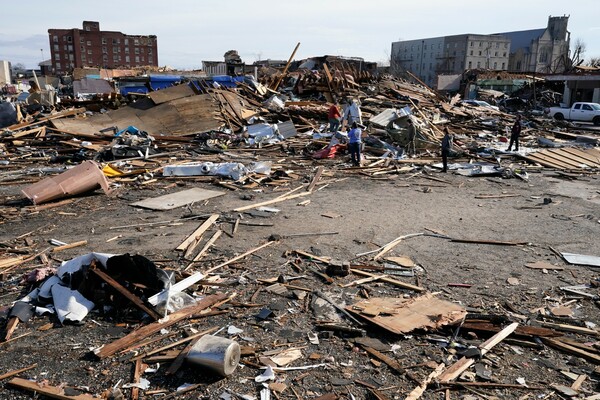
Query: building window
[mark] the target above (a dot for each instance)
(497, 45)
(478, 64)
(82, 48)
(127, 50)
(81, 40)
(470, 64)
(127, 59)
(495, 54)
(137, 51)
(471, 52)
(495, 65)
(70, 48)
(104, 50)
(136, 42)
(55, 39)
(104, 58)
(71, 58)
(89, 42)
(87, 28)
(480, 52)
(149, 51)
(518, 65)
(57, 56)
(103, 40)
(115, 41)
(503, 65)
(137, 59)
(90, 51)
(126, 42)
(471, 44)
(424, 47)
(506, 45)
(56, 47)
(70, 39)
(83, 57)
(504, 54)
(115, 49)
(58, 66)
(480, 44)
(150, 60)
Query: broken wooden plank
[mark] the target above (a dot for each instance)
(198, 232)
(124, 292)
(390, 362)
(137, 373)
(544, 265)
(207, 246)
(315, 179)
(16, 372)
(570, 328)
(464, 363)
(401, 316)
(141, 333)
(69, 246)
(272, 201)
(559, 345)
(394, 282)
(393, 244)
(419, 390)
(55, 392)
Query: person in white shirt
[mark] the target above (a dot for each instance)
(352, 113)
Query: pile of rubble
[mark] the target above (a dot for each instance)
(262, 136)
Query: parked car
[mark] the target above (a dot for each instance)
(587, 112)
(479, 103)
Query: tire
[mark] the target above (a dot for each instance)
(559, 117)
(596, 121)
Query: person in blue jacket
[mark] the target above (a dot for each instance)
(354, 143)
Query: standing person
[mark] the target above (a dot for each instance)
(354, 143)
(515, 132)
(334, 116)
(352, 113)
(412, 133)
(446, 147)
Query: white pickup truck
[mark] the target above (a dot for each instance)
(589, 112)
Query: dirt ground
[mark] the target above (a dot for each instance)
(368, 213)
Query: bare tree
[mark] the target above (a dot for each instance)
(578, 52)
(593, 62)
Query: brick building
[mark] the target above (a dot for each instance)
(91, 47)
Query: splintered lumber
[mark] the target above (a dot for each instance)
(198, 232)
(285, 69)
(137, 373)
(464, 363)
(126, 293)
(208, 244)
(393, 244)
(570, 328)
(315, 179)
(16, 372)
(393, 364)
(54, 392)
(198, 276)
(419, 390)
(492, 242)
(234, 259)
(69, 246)
(559, 345)
(394, 282)
(11, 325)
(272, 201)
(143, 332)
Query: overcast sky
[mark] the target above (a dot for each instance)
(190, 31)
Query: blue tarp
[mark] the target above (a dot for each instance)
(158, 82)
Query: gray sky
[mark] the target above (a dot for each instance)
(190, 31)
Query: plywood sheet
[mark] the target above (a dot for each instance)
(177, 199)
(400, 316)
(172, 93)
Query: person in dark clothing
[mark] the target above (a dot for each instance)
(446, 147)
(515, 133)
(412, 133)
(354, 143)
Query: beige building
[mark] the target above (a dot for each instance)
(540, 50)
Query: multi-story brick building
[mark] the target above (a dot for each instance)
(91, 47)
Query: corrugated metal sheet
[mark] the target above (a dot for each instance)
(287, 129)
(388, 116)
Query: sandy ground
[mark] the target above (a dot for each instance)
(370, 214)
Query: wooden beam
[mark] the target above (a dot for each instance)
(137, 373)
(69, 246)
(464, 363)
(272, 201)
(557, 344)
(54, 392)
(143, 332)
(315, 179)
(285, 69)
(16, 372)
(394, 282)
(198, 232)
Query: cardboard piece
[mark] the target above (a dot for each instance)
(177, 199)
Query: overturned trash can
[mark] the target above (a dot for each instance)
(218, 354)
(83, 178)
